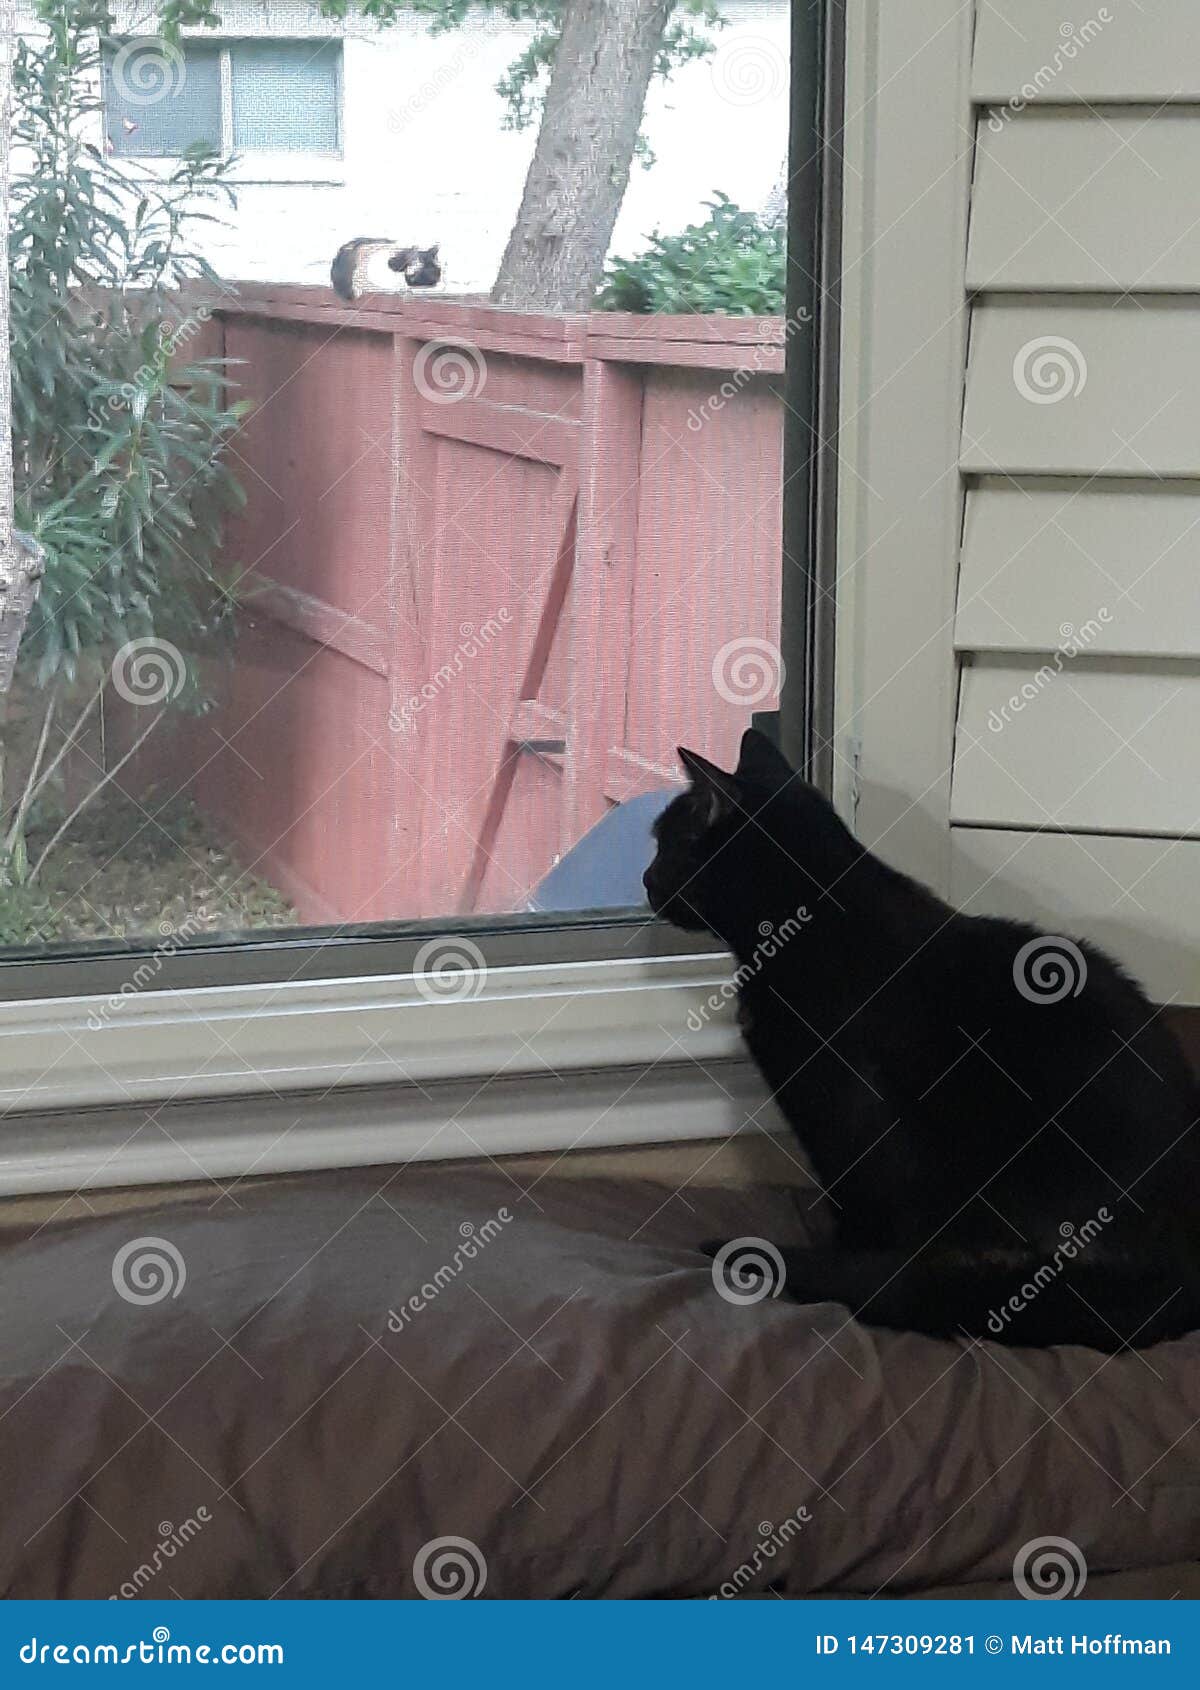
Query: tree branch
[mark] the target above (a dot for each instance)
(94, 793)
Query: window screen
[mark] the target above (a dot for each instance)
(157, 105)
(285, 96)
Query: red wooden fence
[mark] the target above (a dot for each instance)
(493, 558)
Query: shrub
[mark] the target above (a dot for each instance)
(734, 262)
(117, 444)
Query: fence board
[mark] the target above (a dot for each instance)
(480, 621)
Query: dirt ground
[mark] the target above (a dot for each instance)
(127, 870)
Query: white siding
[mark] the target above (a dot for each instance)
(1062, 385)
(1080, 197)
(1076, 789)
(1136, 897)
(1109, 747)
(1078, 50)
(1112, 566)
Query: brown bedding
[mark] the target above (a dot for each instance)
(573, 1398)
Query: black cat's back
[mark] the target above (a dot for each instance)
(1040, 1065)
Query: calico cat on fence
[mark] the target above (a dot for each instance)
(419, 266)
(1004, 1127)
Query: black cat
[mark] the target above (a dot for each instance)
(419, 266)
(1003, 1124)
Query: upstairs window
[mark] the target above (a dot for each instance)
(159, 102)
(233, 96)
(285, 96)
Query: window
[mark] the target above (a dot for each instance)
(239, 96)
(285, 96)
(339, 729)
(142, 123)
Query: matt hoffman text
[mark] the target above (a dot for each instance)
(1112, 1643)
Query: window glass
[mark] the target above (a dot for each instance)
(390, 605)
(285, 96)
(159, 100)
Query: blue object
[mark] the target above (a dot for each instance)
(863, 1641)
(603, 871)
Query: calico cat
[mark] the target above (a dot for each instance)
(419, 266)
(1005, 1128)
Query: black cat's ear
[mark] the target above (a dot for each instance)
(431, 251)
(760, 759)
(719, 789)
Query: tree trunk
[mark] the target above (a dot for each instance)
(580, 169)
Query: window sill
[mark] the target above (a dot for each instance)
(258, 169)
(211, 1041)
(542, 1058)
(288, 169)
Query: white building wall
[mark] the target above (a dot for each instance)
(426, 157)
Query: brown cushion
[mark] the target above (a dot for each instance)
(574, 1399)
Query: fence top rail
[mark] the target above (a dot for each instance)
(692, 340)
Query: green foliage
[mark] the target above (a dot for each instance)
(117, 442)
(117, 447)
(734, 262)
(523, 85)
(27, 916)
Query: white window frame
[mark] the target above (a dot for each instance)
(909, 159)
(261, 165)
